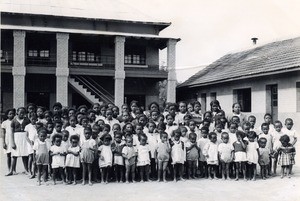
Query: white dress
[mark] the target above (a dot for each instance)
(71, 159)
(106, 156)
(251, 152)
(32, 135)
(152, 142)
(178, 152)
(6, 125)
(143, 155)
(57, 160)
(225, 151)
(211, 149)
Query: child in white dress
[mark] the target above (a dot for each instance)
(152, 140)
(72, 159)
(105, 157)
(163, 150)
(58, 154)
(225, 150)
(143, 157)
(252, 155)
(210, 151)
(178, 154)
(129, 152)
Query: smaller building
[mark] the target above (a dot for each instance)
(265, 79)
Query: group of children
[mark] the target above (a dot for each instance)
(178, 143)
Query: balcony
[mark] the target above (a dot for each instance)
(40, 58)
(6, 58)
(91, 60)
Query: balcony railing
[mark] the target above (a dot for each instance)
(99, 61)
(41, 61)
(6, 57)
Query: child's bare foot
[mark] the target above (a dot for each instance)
(216, 178)
(142, 181)
(289, 176)
(165, 180)
(133, 181)
(223, 178)
(90, 183)
(181, 179)
(236, 179)
(74, 182)
(9, 174)
(175, 180)
(39, 183)
(45, 183)
(106, 182)
(158, 180)
(127, 182)
(253, 179)
(281, 176)
(83, 183)
(210, 178)
(54, 183)
(32, 177)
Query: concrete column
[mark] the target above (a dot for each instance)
(18, 69)
(62, 69)
(171, 59)
(119, 71)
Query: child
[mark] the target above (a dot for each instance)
(72, 159)
(276, 135)
(232, 132)
(110, 120)
(192, 155)
(286, 155)
(143, 157)
(264, 157)
(129, 152)
(216, 110)
(268, 120)
(58, 154)
(196, 114)
(31, 136)
(88, 148)
(240, 155)
(118, 161)
(72, 128)
(105, 157)
(19, 143)
(163, 150)
(210, 151)
(170, 127)
(40, 115)
(41, 155)
(178, 154)
(6, 130)
(182, 112)
(219, 130)
(252, 155)
(95, 165)
(252, 121)
(236, 111)
(201, 144)
(184, 136)
(152, 141)
(225, 151)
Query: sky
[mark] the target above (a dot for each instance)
(210, 29)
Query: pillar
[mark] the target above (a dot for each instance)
(119, 70)
(18, 69)
(62, 69)
(171, 59)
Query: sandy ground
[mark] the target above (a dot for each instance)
(21, 188)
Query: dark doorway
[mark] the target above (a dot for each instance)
(140, 98)
(39, 98)
(272, 100)
(78, 100)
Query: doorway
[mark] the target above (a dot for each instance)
(39, 98)
(272, 101)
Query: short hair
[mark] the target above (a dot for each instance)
(177, 132)
(106, 126)
(42, 130)
(88, 129)
(224, 134)
(65, 132)
(106, 137)
(153, 103)
(268, 114)
(264, 124)
(142, 136)
(161, 126)
(204, 128)
(262, 139)
(277, 122)
(191, 135)
(251, 116)
(252, 134)
(118, 133)
(288, 119)
(284, 138)
(183, 128)
(57, 104)
(56, 136)
(211, 134)
(240, 133)
(128, 137)
(246, 123)
(74, 137)
(164, 133)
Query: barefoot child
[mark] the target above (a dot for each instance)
(286, 156)
(105, 157)
(143, 157)
(152, 141)
(178, 153)
(201, 144)
(129, 152)
(252, 155)
(264, 157)
(225, 151)
(163, 150)
(192, 155)
(72, 159)
(118, 162)
(240, 156)
(210, 151)
(58, 154)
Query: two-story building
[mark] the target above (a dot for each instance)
(81, 54)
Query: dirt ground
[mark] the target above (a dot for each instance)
(21, 188)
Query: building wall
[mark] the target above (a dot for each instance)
(286, 95)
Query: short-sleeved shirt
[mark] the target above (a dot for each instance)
(129, 152)
(37, 143)
(32, 132)
(225, 152)
(19, 125)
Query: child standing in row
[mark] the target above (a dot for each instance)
(210, 151)
(225, 151)
(143, 158)
(58, 154)
(163, 155)
(264, 157)
(286, 156)
(240, 156)
(129, 152)
(192, 155)
(252, 154)
(178, 155)
(118, 161)
(72, 159)
(105, 157)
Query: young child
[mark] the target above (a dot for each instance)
(72, 128)
(41, 155)
(184, 136)
(202, 159)
(178, 154)
(265, 134)
(225, 150)
(152, 141)
(163, 150)
(182, 112)
(268, 120)
(210, 151)
(118, 162)
(6, 130)
(58, 154)
(170, 127)
(105, 157)
(196, 114)
(72, 159)
(252, 155)
(264, 157)
(232, 132)
(192, 155)
(276, 135)
(240, 156)
(286, 155)
(129, 152)
(31, 137)
(143, 157)
(88, 148)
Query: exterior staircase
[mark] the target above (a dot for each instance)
(90, 89)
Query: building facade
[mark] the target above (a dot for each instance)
(81, 59)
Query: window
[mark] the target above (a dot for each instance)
(32, 53)
(81, 56)
(44, 53)
(74, 56)
(298, 96)
(90, 57)
(213, 96)
(243, 96)
(127, 59)
(135, 55)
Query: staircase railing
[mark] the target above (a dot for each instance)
(95, 88)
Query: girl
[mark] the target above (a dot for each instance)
(225, 151)
(216, 111)
(268, 120)
(41, 155)
(88, 148)
(134, 105)
(252, 155)
(170, 127)
(163, 150)
(72, 159)
(210, 151)
(72, 128)
(240, 155)
(129, 152)
(40, 115)
(236, 111)
(118, 161)
(31, 137)
(182, 112)
(202, 159)
(105, 157)
(264, 157)
(153, 138)
(152, 107)
(286, 156)
(265, 134)
(19, 143)
(192, 155)
(276, 135)
(6, 130)
(232, 132)
(143, 157)
(196, 114)
(58, 154)
(190, 108)
(178, 155)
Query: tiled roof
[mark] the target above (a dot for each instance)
(270, 58)
(96, 9)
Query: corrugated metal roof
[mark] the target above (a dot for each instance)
(97, 9)
(273, 57)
